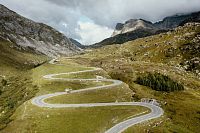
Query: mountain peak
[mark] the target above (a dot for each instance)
(5, 10)
(119, 26)
(171, 22)
(167, 23)
(29, 34)
(132, 25)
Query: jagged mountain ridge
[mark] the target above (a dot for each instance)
(130, 30)
(139, 28)
(167, 23)
(29, 34)
(175, 53)
(125, 37)
(77, 43)
(171, 22)
(132, 25)
(195, 17)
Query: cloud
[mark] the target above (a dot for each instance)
(91, 33)
(109, 12)
(48, 13)
(66, 15)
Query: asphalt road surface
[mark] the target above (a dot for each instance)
(118, 128)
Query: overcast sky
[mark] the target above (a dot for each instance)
(90, 21)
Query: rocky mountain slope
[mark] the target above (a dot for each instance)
(133, 25)
(171, 22)
(15, 77)
(194, 17)
(179, 47)
(24, 45)
(138, 28)
(174, 54)
(125, 37)
(38, 37)
(167, 23)
(78, 44)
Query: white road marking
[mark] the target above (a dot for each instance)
(118, 128)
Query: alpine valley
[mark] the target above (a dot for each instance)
(144, 78)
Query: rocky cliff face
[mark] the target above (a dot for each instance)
(78, 44)
(194, 17)
(37, 36)
(171, 22)
(167, 23)
(133, 25)
(125, 37)
(138, 28)
(130, 30)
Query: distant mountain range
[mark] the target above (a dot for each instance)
(77, 43)
(38, 37)
(134, 25)
(171, 22)
(138, 28)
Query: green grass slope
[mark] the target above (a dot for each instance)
(15, 81)
(174, 54)
(30, 118)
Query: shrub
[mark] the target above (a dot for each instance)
(4, 82)
(159, 82)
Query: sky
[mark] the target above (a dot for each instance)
(90, 21)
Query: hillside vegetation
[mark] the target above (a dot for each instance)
(15, 81)
(174, 54)
(165, 67)
(159, 82)
(31, 118)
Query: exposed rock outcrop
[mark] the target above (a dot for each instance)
(78, 44)
(133, 25)
(138, 28)
(167, 23)
(37, 36)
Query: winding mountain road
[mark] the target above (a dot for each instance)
(118, 128)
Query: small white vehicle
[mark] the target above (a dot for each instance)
(99, 78)
(68, 90)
